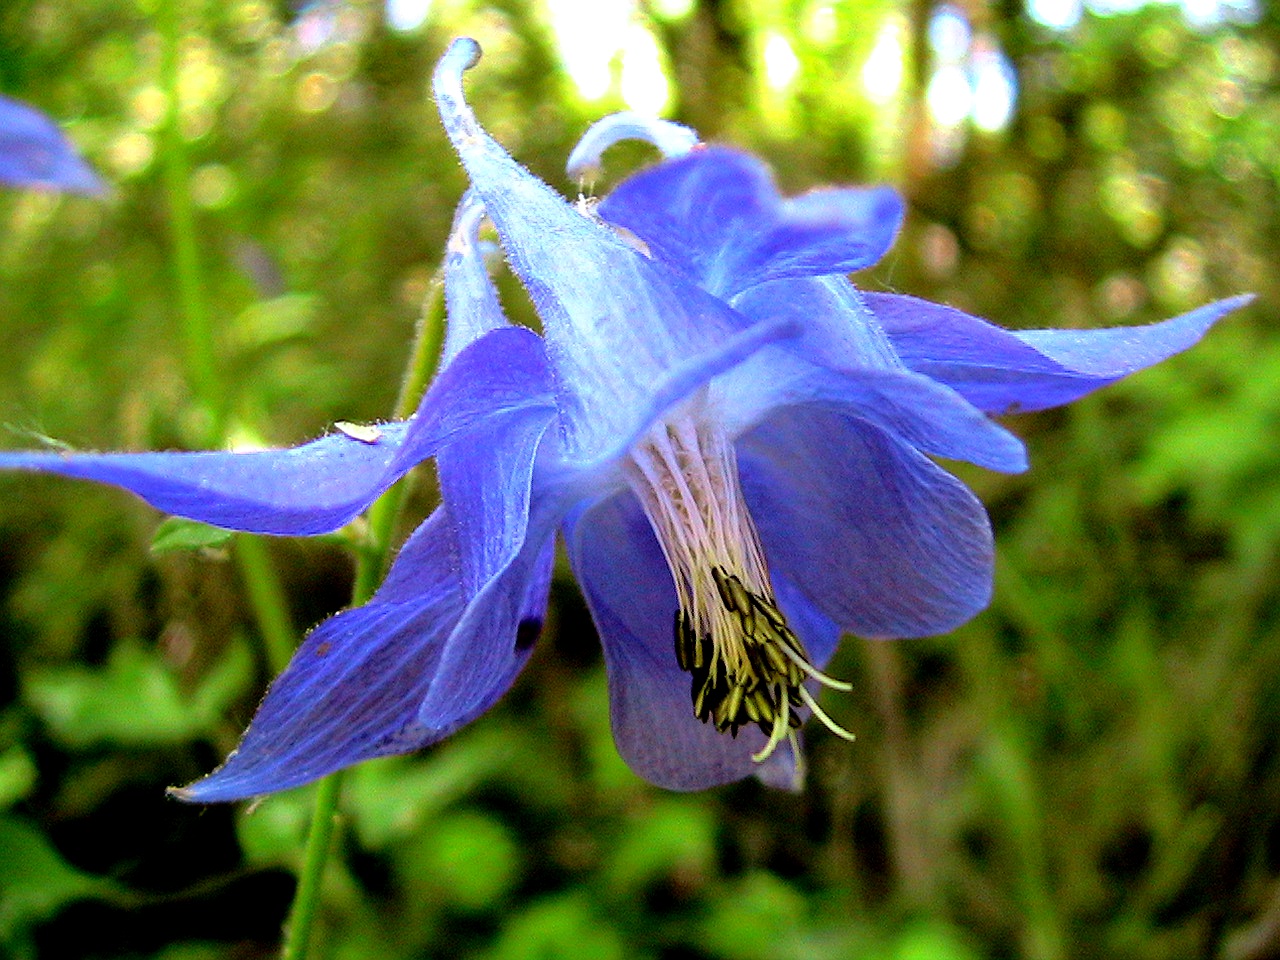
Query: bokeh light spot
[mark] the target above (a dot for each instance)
(131, 153)
(780, 62)
(316, 92)
(644, 83)
(995, 89)
(589, 35)
(883, 72)
(949, 96)
(1056, 14)
(407, 15)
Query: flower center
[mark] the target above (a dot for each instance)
(746, 664)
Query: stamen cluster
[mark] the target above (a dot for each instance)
(766, 692)
(746, 664)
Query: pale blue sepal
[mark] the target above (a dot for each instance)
(320, 486)
(683, 379)
(615, 322)
(352, 690)
(470, 297)
(355, 688)
(484, 648)
(910, 406)
(671, 139)
(836, 328)
(486, 484)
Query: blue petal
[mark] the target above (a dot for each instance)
(505, 541)
(716, 215)
(843, 359)
(682, 379)
(486, 481)
(34, 152)
(353, 689)
(471, 299)
(879, 538)
(492, 640)
(671, 139)
(628, 587)
(321, 485)
(1002, 371)
(356, 687)
(907, 405)
(615, 321)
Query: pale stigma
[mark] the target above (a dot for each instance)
(747, 666)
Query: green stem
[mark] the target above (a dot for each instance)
(267, 600)
(425, 352)
(302, 915)
(371, 561)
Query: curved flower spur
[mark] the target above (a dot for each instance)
(735, 442)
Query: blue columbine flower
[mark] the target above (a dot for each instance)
(735, 442)
(35, 153)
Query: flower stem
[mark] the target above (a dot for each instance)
(371, 561)
(297, 932)
(267, 599)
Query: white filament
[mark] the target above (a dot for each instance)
(686, 475)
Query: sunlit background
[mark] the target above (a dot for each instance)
(1090, 768)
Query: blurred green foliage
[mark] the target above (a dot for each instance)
(1091, 768)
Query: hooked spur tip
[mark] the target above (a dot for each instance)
(446, 82)
(464, 50)
(671, 139)
(463, 54)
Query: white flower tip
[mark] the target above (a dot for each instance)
(464, 52)
(462, 55)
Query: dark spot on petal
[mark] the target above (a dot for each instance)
(527, 634)
(322, 649)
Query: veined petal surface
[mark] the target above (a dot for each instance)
(836, 329)
(486, 482)
(1005, 370)
(353, 689)
(628, 587)
(879, 538)
(357, 686)
(492, 639)
(470, 297)
(910, 406)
